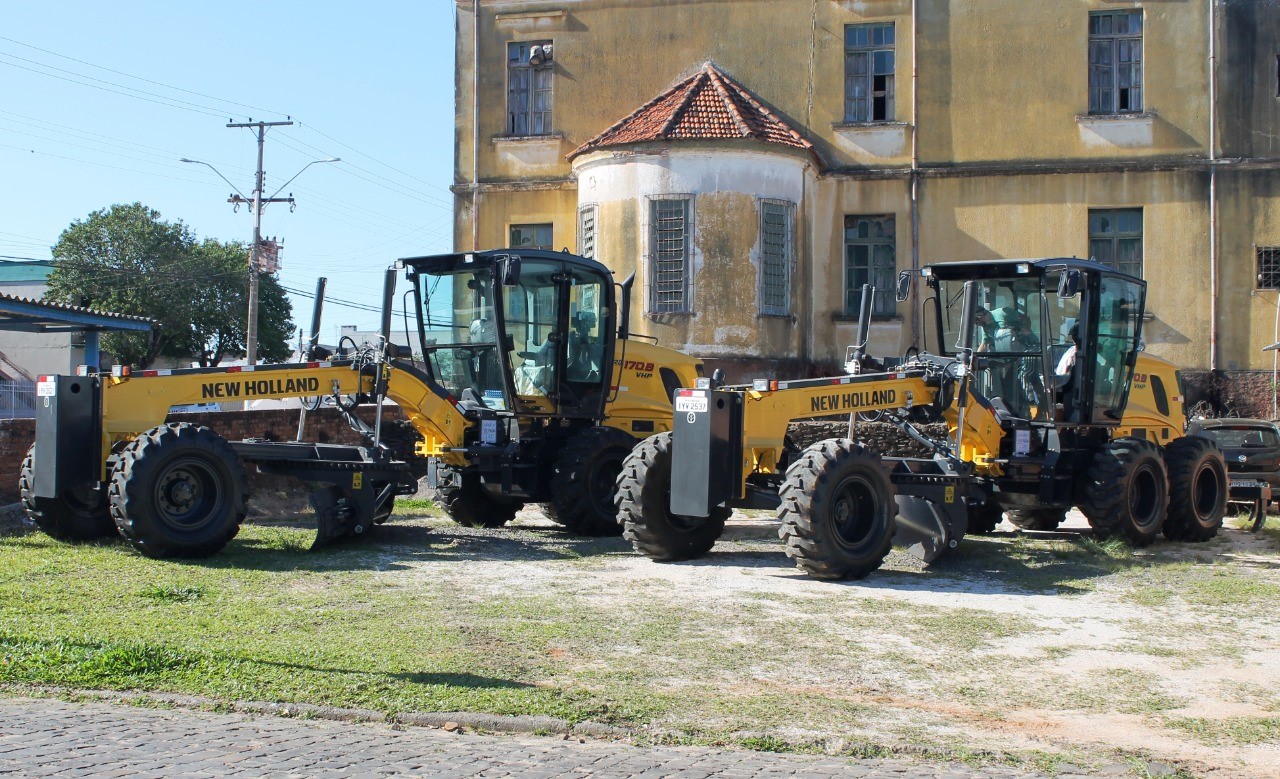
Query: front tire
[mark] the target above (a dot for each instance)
(466, 502)
(178, 490)
(1126, 491)
(837, 510)
(76, 515)
(585, 483)
(644, 507)
(1198, 488)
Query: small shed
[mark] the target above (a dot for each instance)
(35, 316)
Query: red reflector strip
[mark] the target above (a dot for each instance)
(684, 393)
(44, 378)
(234, 369)
(151, 373)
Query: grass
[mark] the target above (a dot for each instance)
(736, 649)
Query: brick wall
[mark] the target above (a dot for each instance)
(325, 426)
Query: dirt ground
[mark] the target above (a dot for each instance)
(1019, 643)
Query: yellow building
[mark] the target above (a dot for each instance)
(755, 161)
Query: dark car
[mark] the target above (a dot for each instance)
(1252, 451)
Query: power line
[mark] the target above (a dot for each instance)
(140, 78)
(170, 103)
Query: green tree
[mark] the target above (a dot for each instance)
(128, 260)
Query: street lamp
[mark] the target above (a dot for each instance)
(256, 203)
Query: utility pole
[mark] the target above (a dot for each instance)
(256, 205)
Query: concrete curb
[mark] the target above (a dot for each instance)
(451, 721)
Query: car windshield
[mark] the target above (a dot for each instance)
(1243, 437)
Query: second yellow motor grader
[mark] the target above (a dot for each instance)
(1049, 400)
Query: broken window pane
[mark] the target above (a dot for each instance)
(529, 88)
(1115, 62)
(868, 73)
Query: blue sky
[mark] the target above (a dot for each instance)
(100, 100)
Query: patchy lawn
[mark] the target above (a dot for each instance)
(1037, 648)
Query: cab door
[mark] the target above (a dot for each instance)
(557, 320)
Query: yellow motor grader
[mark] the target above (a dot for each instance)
(1049, 401)
(528, 389)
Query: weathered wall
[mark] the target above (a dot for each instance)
(1248, 42)
(1249, 215)
(1010, 161)
(725, 187)
(1047, 215)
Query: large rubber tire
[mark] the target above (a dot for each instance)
(1037, 519)
(644, 507)
(178, 490)
(1126, 491)
(1198, 489)
(75, 515)
(984, 519)
(837, 510)
(466, 502)
(584, 485)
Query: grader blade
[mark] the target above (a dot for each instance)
(927, 528)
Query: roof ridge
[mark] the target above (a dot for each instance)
(679, 112)
(762, 108)
(718, 80)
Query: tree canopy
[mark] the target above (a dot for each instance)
(128, 260)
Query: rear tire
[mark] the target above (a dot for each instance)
(1198, 489)
(178, 490)
(837, 510)
(1126, 491)
(644, 507)
(466, 502)
(76, 515)
(585, 484)
(1037, 519)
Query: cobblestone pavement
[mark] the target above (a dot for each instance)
(55, 738)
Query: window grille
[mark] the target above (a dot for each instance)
(1115, 62)
(587, 231)
(870, 258)
(1268, 267)
(776, 226)
(868, 73)
(1115, 239)
(670, 288)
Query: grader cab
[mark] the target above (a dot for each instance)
(1034, 367)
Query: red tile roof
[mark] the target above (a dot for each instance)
(708, 105)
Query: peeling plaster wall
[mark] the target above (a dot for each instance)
(725, 186)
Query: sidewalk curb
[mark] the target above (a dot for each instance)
(451, 721)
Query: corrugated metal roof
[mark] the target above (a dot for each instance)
(708, 105)
(18, 313)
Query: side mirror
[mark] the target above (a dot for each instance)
(904, 285)
(1069, 283)
(509, 272)
(968, 311)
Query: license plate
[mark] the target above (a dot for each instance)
(488, 431)
(1246, 483)
(46, 389)
(695, 404)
